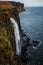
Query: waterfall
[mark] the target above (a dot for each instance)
(17, 36)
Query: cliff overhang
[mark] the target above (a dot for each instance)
(6, 6)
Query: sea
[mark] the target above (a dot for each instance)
(31, 21)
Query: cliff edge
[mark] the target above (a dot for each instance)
(7, 37)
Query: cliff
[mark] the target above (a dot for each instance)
(7, 37)
(20, 6)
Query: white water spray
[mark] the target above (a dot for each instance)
(17, 36)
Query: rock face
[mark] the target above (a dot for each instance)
(20, 6)
(7, 37)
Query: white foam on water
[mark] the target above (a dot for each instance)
(34, 47)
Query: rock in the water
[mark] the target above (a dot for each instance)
(27, 40)
(35, 43)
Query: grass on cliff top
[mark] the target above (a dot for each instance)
(6, 5)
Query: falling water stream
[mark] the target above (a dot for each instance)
(17, 36)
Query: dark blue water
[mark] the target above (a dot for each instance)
(32, 24)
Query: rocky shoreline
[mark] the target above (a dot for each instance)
(26, 45)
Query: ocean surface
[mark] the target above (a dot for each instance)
(31, 21)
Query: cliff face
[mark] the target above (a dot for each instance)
(7, 37)
(20, 6)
